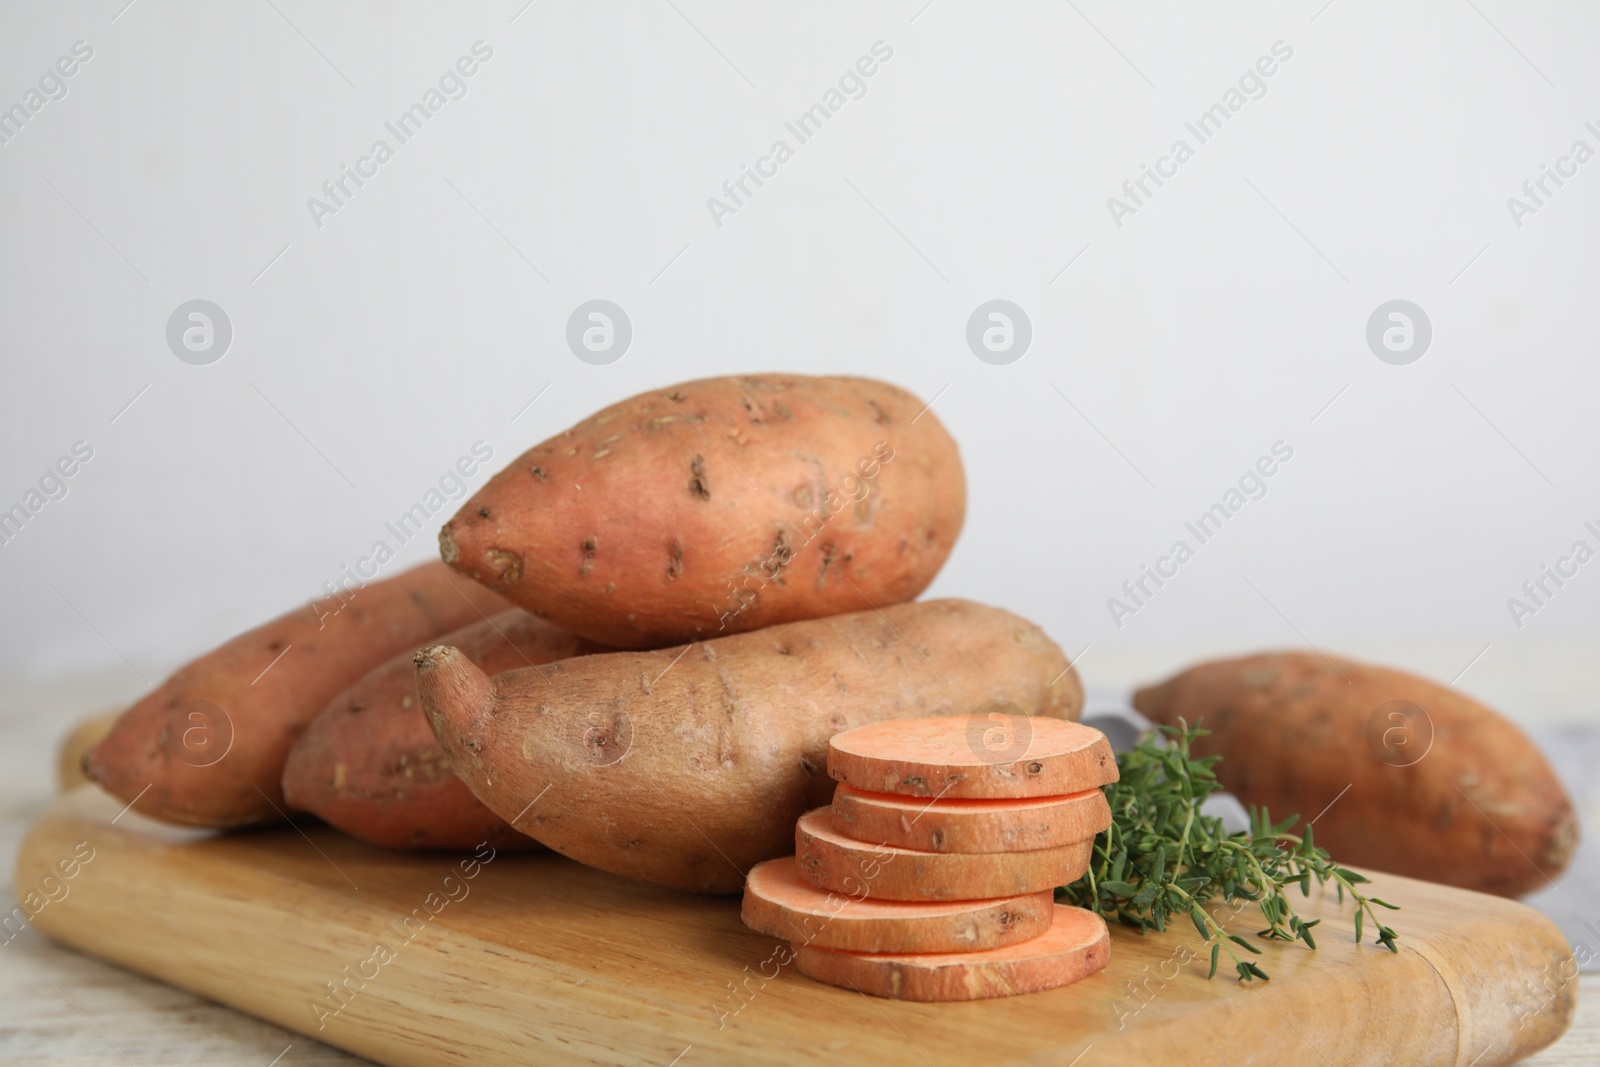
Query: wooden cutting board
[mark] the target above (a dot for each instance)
(538, 960)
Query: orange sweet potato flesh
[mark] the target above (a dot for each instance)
(830, 860)
(779, 902)
(688, 766)
(719, 506)
(1440, 786)
(969, 825)
(1076, 946)
(208, 746)
(369, 763)
(995, 755)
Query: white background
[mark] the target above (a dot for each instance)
(1228, 313)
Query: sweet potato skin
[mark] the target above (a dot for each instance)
(369, 764)
(1482, 809)
(688, 766)
(208, 746)
(720, 506)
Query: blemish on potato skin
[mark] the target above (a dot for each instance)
(539, 473)
(506, 565)
(675, 560)
(829, 552)
(782, 555)
(590, 546)
(1260, 677)
(699, 486)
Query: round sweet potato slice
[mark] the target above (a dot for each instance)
(1076, 946)
(830, 860)
(998, 825)
(779, 902)
(994, 755)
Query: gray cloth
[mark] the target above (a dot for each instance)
(1573, 901)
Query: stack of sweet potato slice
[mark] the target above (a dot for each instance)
(932, 875)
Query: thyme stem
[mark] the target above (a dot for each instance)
(1155, 810)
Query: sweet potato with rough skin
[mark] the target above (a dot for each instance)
(719, 506)
(369, 764)
(207, 747)
(687, 766)
(1440, 786)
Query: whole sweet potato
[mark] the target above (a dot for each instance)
(688, 766)
(207, 747)
(719, 506)
(1439, 786)
(369, 764)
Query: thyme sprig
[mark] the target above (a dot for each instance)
(1163, 860)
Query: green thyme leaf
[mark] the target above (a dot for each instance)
(1163, 858)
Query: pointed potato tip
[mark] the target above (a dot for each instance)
(434, 656)
(1148, 700)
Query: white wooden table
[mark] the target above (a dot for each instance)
(60, 1007)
